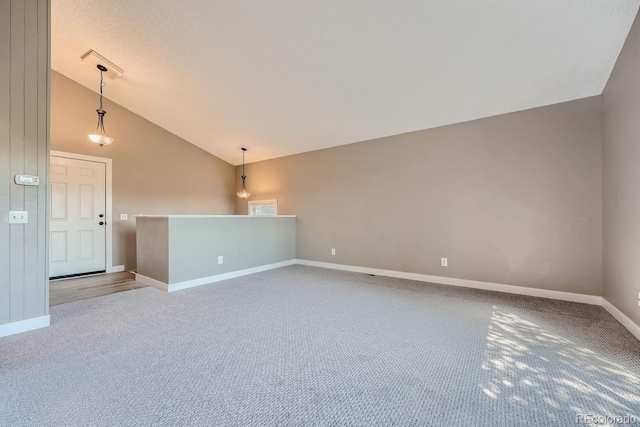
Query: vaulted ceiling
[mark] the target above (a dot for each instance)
(287, 76)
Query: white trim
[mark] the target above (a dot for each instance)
(77, 156)
(211, 279)
(108, 199)
(475, 284)
(115, 269)
(622, 318)
(24, 325)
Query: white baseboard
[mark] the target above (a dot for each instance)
(115, 269)
(474, 284)
(520, 290)
(172, 287)
(24, 325)
(622, 318)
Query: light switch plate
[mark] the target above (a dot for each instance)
(124, 217)
(18, 217)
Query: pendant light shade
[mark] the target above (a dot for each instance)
(243, 193)
(99, 136)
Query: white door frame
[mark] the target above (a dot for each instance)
(110, 268)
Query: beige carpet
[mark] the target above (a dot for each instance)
(307, 346)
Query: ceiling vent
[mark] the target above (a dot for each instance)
(93, 59)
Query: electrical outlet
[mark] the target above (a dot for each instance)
(18, 217)
(333, 251)
(444, 262)
(220, 259)
(124, 217)
(638, 299)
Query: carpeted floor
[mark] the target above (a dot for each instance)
(307, 346)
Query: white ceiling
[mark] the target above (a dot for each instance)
(288, 76)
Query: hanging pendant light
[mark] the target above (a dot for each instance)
(100, 137)
(243, 193)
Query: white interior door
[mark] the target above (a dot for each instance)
(78, 217)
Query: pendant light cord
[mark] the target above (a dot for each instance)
(100, 111)
(101, 86)
(243, 176)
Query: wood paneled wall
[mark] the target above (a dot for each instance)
(24, 149)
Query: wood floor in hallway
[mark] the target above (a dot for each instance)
(79, 288)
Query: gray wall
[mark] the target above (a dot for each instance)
(191, 248)
(154, 171)
(512, 199)
(621, 173)
(24, 149)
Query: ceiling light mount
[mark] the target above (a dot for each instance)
(243, 193)
(93, 59)
(99, 136)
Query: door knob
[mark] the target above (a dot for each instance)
(101, 215)
(101, 223)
